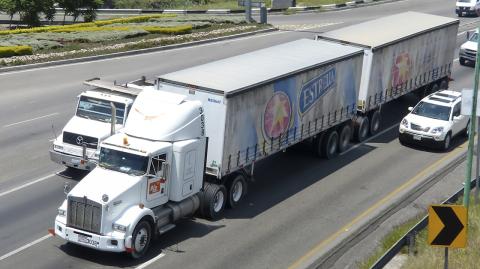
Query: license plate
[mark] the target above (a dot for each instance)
(417, 137)
(75, 161)
(87, 240)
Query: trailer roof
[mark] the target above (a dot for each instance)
(233, 75)
(384, 31)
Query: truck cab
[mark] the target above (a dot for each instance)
(77, 146)
(149, 176)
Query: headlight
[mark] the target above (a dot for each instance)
(437, 130)
(472, 8)
(119, 227)
(405, 123)
(57, 147)
(62, 212)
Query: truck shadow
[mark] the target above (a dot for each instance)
(170, 242)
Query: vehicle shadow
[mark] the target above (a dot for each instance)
(169, 242)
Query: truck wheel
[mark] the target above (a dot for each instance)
(330, 144)
(375, 122)
(141, 238)
(444, 85)
(434, 88)
(462, 61)
(362, 126)
(213, 201)
(237, 188)
(345, 135)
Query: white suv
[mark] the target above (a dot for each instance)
(434, 120)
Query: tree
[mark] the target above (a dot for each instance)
(10, 7)
(75, 8)
(30, 9)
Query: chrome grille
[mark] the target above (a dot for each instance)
(78, 140)
(84, 214)
(419, 128)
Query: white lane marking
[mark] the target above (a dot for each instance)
(24, 247)
(27, 184)
(147, 263)
(25, 121)
(370, 138)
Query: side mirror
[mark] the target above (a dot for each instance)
(165, 168)
(410, 108)
(468, 35)
(456, 117)
(66, 188)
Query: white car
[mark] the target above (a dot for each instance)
(468, 50)
(466, 7)
(434, 120)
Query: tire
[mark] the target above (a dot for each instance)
(362, 126)
(375, 122)
(466, 131)
(237, 189)
(330, 145)
(446, 143)
(141, 239)
(344, 137)
(317, 145)
(402, 141)
(213, 201)
(462, 61)
(434, 88)
(443, 85)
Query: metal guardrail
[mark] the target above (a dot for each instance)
(406, 240)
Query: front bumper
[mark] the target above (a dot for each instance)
(465, 10)
(467, 56)
(114, 242)
(420, 138)
(72, 160)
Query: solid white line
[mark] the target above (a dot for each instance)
(147, 263)
(24, 247)
(37, 118)
(370, 138)
(26, 184)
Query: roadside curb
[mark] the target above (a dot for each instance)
(132, 52)
(324, 258)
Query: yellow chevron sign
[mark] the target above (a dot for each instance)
(447, 226)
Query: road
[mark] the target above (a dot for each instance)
(296, 203)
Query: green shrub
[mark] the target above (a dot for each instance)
(177, 30)
(15, 51)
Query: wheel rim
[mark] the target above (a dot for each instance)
(364, 131)
(333, 145)
(141, 240)
(218, 201)
(376, 124)
(237, 191)
(345, 139)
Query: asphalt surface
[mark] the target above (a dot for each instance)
(296, 203)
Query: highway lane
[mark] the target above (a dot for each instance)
(253, 220)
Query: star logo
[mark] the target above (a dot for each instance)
(278, 112)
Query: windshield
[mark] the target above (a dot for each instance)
(100, 110)
(465, 1)
(473, 37)
(124, 162)
(433, 111)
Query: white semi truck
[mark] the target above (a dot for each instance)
(405, 52)
(190, 145)
(78, 144)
